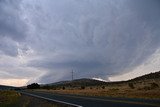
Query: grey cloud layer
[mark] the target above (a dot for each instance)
(12, 27)
(94, 37)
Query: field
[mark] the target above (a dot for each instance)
(146, 86)
(14, 99)
(8, 98)
(148, 89)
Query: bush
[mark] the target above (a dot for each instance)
(46, 87)
(33, 86)
(54, 88)
(63, 88)
(131, 85)
(113, 89)
(82, 87)
(103, 87)
(147, 88)
(154, 85)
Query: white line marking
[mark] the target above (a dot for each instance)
(116, 101)
(75, 105)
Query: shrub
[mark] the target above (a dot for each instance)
(63, 88)
(113, 89)
(154, 85)
(54, 88)
(103, 87)
(46, 87)
(82, 87)
(147, 88)
(33, 86)
(131, 85)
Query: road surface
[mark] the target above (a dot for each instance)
(97, 101)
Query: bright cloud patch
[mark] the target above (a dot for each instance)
(14, 82)
(150, 65)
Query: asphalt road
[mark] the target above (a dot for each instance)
(98, 101)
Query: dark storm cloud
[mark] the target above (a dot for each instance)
(147, 10)
(67, 64)
(94, 37)
(12, 27)
(11, 24)
(8, 47)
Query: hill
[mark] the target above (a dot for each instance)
(93, 82)
(4, 87)
(146, 86)
(77, 83)
(154, 76)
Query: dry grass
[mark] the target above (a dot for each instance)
(141, 89)
(8, 98)
(14, 99)
(150, 94)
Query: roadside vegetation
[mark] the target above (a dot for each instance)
(147, 86)
(122, 90)
(28, 101)
(8, 98)
(13, 99)
(33, 86)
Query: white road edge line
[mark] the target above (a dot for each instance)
(75, 105)
(117, 101)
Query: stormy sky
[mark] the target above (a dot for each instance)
(44, 40)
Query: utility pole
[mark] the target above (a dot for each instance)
(72, 74)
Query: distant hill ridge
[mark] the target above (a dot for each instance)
(93, 82)
(4, 87)
(78, 82)
(155, 75)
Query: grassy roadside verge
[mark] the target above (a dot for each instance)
(112, 92)
(14, 99)
(146, 89)
(8, 98)
(28, 101)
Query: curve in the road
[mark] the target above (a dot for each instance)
(92, 102)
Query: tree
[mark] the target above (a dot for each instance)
(46, 87)
(33, 86)
(63, 88)
(82, 87)
(131, 85)
(103, 87)
(154, 85)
